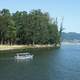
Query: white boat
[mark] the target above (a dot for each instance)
(23, 56)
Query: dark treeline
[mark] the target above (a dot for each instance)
(34, 27)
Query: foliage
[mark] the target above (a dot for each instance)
(22, 27)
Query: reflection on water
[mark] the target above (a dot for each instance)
(13, 59)
(47, 64)
(23, 60)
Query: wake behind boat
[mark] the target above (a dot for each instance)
(23, 56)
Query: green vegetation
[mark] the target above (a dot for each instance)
(21, 27)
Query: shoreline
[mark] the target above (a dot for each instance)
(16, 47)
(70, 43)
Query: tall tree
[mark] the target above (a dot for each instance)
(35, 27)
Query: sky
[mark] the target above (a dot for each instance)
(69, 9)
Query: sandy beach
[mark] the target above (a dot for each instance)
(11, 47)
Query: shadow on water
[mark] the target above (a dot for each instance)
(35, 51)
(35, 69)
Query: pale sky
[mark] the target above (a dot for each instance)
(70, 9)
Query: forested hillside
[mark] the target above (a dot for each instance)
(70, 36)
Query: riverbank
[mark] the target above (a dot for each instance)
(14, 47)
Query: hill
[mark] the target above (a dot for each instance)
(71, 36)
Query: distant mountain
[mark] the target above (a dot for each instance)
(71, 36)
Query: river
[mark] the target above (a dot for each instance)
(47, 64)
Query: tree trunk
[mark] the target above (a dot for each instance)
(2, 41)
(33, 43)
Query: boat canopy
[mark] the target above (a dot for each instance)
(23, 53)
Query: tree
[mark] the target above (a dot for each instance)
(60, 31)
(11, 32)
(35, 27)
(4, 19)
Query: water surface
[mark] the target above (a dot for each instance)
(47, 64)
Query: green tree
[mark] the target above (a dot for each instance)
(35, 27)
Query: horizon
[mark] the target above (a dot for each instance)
(71, 32)
(67, 9)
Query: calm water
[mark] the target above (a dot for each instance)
(47, 64)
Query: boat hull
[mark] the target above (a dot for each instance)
(25, 57)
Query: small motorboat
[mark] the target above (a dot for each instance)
(23, 56)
